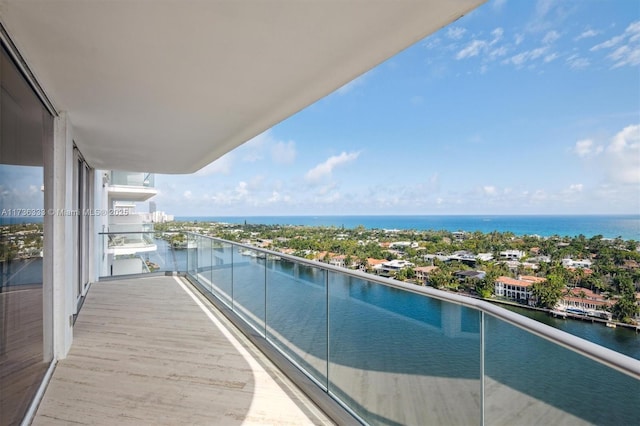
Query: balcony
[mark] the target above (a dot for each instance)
(149, 351)
(391, 353)
(120, 178)
(131, 186)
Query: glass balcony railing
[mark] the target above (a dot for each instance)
(393, 353)
(135, 252)
(132, 179)
(140, 227)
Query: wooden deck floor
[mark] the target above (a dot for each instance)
(144, 352)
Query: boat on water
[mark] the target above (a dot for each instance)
(611, 325)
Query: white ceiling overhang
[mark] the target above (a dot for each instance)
(170, 86)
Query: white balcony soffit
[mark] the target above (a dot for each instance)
(131, 193)
(169, 86)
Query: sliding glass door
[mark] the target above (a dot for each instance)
(26, 127)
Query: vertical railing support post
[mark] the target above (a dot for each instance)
(482, 351)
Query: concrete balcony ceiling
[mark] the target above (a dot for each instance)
(170, 86)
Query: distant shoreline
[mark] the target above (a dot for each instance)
(625, 226)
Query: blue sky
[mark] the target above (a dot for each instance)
(517, 108)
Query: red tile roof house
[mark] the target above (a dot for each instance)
(589, 302)
(422, 273)
(516, 290)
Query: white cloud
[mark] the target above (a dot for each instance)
(276, 197)
(499, 4)
(519, 38)
(242, 189)
(543, 7)
(623, 155)
(627, 47)
(455, 33)
(633, 31)
(283, 152)
(324, 170)
(359, 81)
(536, 53)
(625, 55)
(187, 194)
(577, 62)
(489, 190)
(550, 57)
(252, 149)
(497, 36)
(432, 42)
(222, 165)
(472, 49)
(521, 58)
(576, 187)
(500, 51)
(609, 43)
(550, 37)
(586, 147)
(620, 160)
(586, 34)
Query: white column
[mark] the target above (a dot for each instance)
(58, 265)
(101, 222)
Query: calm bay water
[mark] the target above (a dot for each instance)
(626, 227)
(623, 340)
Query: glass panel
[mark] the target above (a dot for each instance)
(192, 255)
(249, 286)
(222, 271)
(402, 358)
(204, 261)
(144, 252)
(25, 128)
(297, 313)
(132, 179)
(531, 380)
(171, 255)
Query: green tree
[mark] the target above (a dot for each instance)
(626, 308)
(486, 286)
(438, 278)
(548, 292)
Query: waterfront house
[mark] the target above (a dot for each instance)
(372, 264)
(484, 257)
(338, 260)
(471, 275)
(517, 290)
(511, 254)
(422, 273)
(578, 263)
(391, 267)
(585, 299)
(464, 256)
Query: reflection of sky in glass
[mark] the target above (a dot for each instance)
(21, 187)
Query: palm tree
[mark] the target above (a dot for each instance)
(582, 295)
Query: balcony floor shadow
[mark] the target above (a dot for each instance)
(144, 352)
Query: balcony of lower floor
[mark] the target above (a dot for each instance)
(153, 351)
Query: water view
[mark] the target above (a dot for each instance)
(626, 227)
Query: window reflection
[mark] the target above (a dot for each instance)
(25, 126)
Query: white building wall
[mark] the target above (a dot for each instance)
(59, 240)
